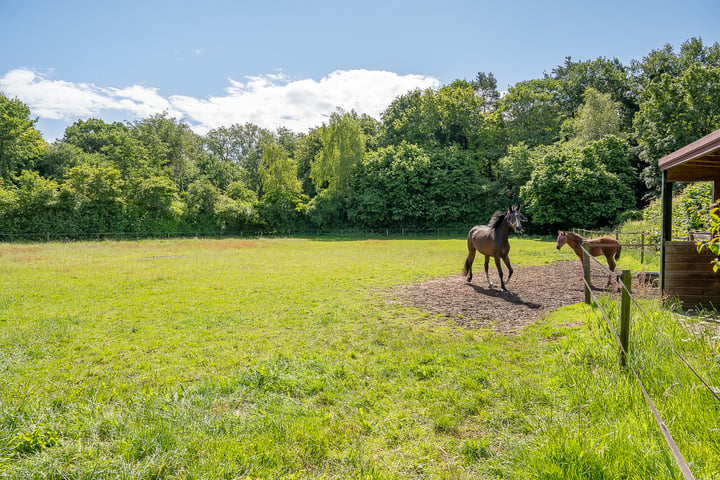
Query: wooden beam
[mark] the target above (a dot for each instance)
(666, 228)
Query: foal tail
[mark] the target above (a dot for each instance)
(617, 254)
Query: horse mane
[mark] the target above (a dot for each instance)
(575, 236)
(496, 219)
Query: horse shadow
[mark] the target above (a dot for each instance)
(510, 297)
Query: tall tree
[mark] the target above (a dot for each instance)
(242, 145)
(485, 86)
(173, 146)
(678, 104)
(343, 146)
(20, 142)
(532, 113)
(609, 77)
(596, 118)
(278, 172)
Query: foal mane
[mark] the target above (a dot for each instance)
(575, 236)
(496, 219)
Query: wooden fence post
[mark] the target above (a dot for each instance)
(625, 317)
(586, 272)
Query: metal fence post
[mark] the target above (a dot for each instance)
(625, 317)
(642, 248)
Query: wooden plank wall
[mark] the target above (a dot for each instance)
(689, 275)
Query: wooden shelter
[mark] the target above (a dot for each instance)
(686, 274)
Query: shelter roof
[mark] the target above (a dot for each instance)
(695, 162)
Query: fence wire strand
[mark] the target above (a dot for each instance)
(679, 459)
(652, 322)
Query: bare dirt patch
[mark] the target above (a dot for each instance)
(532, 292)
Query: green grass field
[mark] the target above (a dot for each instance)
(279, 358)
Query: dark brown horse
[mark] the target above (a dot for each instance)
(492, 241)
(595, 246)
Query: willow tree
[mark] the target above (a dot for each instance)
(343, 148)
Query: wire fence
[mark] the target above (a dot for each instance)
(449, 232)
(622, 338)
(643, 242)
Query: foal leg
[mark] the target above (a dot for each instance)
(487, 263)
(611, 265)
(506, 259)
(500, 272)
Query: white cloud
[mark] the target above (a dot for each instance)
(269, 101)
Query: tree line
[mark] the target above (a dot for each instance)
(577, 148)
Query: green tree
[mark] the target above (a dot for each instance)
(173, 148)
(278, 172)
(680, 93)
(201, 199)
(574, 187)
(94, 135)
(485, 86)
(36, 208)
(93, 195)
(343, 147)
(60, 157)
(514, 171)
(20, 143)
(609, 77)
(532, 112)
(440, 118)
(241, 145)
(405, 186)
(596, 118)
(306, 150)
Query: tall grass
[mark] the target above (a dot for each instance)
(279, 358)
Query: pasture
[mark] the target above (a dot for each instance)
(285, 359)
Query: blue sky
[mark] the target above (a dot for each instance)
(291, 63)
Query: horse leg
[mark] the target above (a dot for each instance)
(611, 265)
(467, 270)
(506, 259)
(487, 274)
(500, 272)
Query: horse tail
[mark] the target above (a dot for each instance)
(617, 254)
(466, 268)
(471, 255)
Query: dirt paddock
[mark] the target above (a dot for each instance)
(532, 291)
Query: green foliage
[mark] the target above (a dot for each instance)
(678, 103)
(579, 188)
(533, 114)
(20, 143)
(597, 117)
(278, 172)
(343, 146)
(200, 199)
(404, 185)
(93, 196)
(36, 441)
(282, 209)
(514, 170)
(713, 243)
(690, 212)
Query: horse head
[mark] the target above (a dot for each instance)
(514, 218)
(562, 238)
